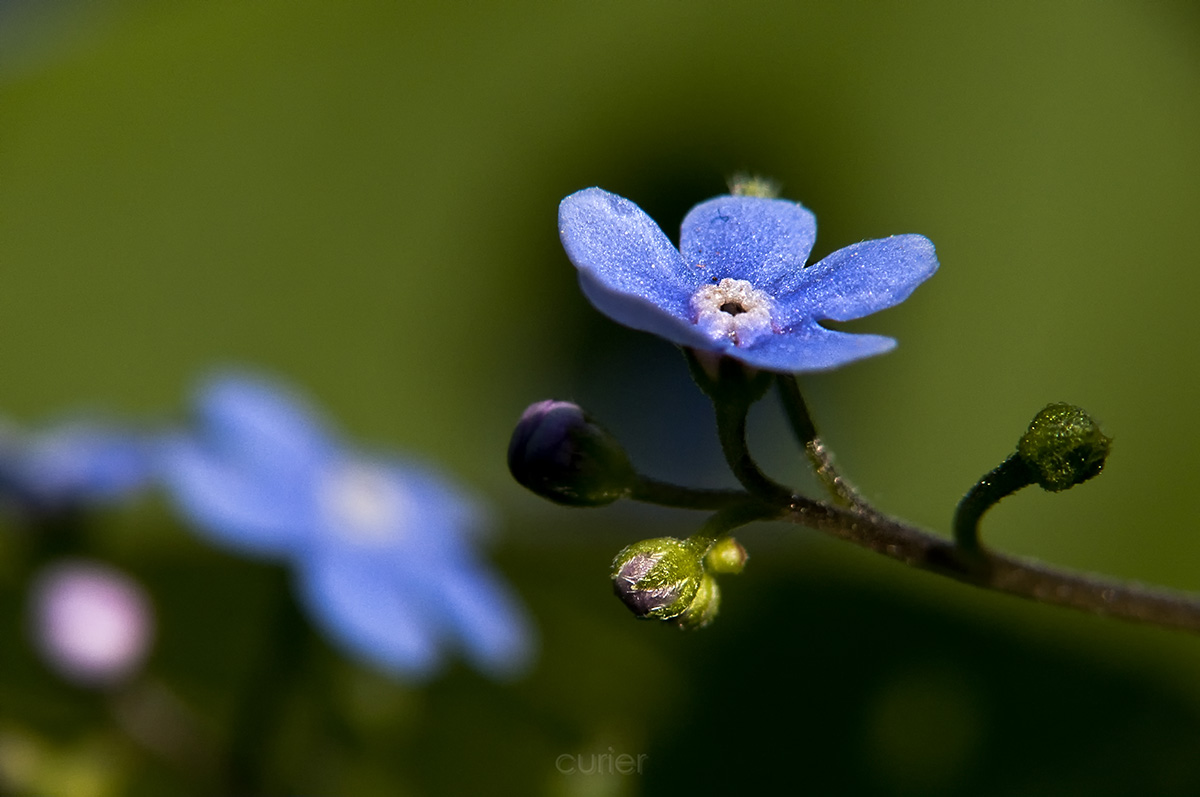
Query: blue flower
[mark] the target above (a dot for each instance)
(383, 550)
(737, 285)
(72, 464)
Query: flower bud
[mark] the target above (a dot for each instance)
(558, 452)
(659, 578)
(743, 184)
(704, 605)
(726, 556)
(1063, 447)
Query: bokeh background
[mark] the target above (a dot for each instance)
(361, 198)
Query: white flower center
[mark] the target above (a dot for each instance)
(364, 504)
(733, 309)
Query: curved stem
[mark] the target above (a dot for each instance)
(1024, 578)
(735, 516)
(731, 428)
(821, 458)
(1009, 476)
(652, 491)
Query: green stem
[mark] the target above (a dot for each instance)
(736, 516)
(652, 491)
(731, 428)
(819, 456)
(1009, 476)
(259, 716)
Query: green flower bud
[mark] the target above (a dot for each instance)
(726, 556)
(1063, 447)
(743, 184)
(558, 452)
(660, 578)
(704, 605)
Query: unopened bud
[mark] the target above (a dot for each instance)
(560, 453)
(704, 605)
(726, 556)
(1063, 447)
(659, 578)
(743, 184)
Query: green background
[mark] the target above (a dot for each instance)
(361, 197)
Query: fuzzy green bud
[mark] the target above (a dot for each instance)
(560, 453)
(743, 184)
(726, 556)
(661, 578)
(703, 608)
(1063, 447)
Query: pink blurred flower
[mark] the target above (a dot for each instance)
(90, 622)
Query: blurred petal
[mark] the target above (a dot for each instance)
(448, 513)
(241, 508)
(490, 624)
(77, 463)
(748, 238)
(371, 614)
(811, 347)
(259, 420)
(861, 279)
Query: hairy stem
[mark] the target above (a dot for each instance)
(819, 456)
(982, 568)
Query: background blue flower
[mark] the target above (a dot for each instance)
(738, 285)
(383, 549)
(72, 464)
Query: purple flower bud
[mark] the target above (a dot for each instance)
(659, 578)
(558, 452)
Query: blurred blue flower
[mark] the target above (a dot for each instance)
(737, 285)
(72, 464)
(383, 550)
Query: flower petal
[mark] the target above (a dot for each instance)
(637, 313)
(75, 463)
(750, 238)
(244, 509)
(449, 515)
(861, 279)
(490, 625)
(811, 347)
(260, 420)
(628, 268)
(373, 615)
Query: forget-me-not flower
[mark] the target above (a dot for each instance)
(383, 550)
(737, 286)
(72, 464)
